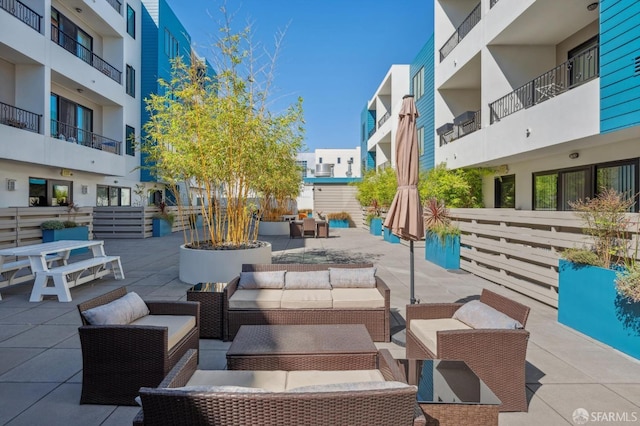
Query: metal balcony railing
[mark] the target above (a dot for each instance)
(22, 12)
(372, 132)
(69, 133)
(116, 4)
(493, 3)
(576, 71)
(461, 32)
(384, 119)
(461, 130)
(71, 45)
(20, 118)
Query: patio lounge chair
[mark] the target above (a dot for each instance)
(496, 355)
(119, 359)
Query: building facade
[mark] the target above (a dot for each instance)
(554, 112)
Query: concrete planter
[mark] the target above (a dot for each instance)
(336, 223)
(219, 266)
(78, 233)
(589, 303)
(274, 228)
(375, 226)
(161, 227)
(445, 254)
(390, 237)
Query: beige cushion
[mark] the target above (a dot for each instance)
(352, 277)
(307, 280)
(297, 379)
(350, 387)
(346, 298)
(479, 315)
(273, 381)
(121, 311)
(301, 299)
(256, 299)
(426, 330)
(261, 279)
(178, 325)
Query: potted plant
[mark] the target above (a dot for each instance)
(216, 136)
(442, 238)
(339, 219)
(375, 192)
(57, 230)
(599, 285)
(163, 221)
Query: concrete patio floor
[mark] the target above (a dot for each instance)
(41, 364)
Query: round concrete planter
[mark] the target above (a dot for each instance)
(220, 266)
(274, 228)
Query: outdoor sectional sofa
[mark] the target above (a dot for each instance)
(189, 396)
(308, 294)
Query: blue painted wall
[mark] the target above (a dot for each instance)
(425, 105)
(367, 122)
(619, 64)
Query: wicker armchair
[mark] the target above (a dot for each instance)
(309, 226)
(375, 407)
(497, 356)
(119, 359)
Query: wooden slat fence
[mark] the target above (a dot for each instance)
(135, 222)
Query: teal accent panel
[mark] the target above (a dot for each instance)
(426, 105)
(367, 123)
(619, 77)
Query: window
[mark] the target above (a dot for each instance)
(320, 160)
(170, 44)
(418, 84)
(71, 37)
(505, 192)
(131, 81)
(545, 194)
(43, 192)
(303, 168)
(338, 160)
(112, 196)
(131, 21)
(130, 138)
(70, 121)
(420, 141)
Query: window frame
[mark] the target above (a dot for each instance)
(131, 21)
(418, 83)
(129, 134)
(130, 86)
(118, 190)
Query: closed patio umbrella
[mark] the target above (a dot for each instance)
(404, 218)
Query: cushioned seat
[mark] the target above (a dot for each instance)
(427, 330)
(256, 299)
(306, 299)
(296, 379)
(346, 298)
(178, 325)
(273, 381)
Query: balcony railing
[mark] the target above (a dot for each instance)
(461, 32)
(576, 71)
(463, 125)
(22, 12)
(116, 4)
(384, 119)
(493, 3)
(71, 45)
(372, 132)
(20, 118)
(69, 133)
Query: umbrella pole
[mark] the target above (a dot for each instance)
(411, 283)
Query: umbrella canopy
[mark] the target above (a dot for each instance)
(404, 218)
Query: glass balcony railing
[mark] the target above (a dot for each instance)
(461, 32)
(69, 133)
(22, 12)
(20, 118)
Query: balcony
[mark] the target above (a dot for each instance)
(66, 132)
(22, 12)
(461, 32)
(462, 125)
(493, 3)
(71, 45)
(384, 119)
(116, 4)
(20, 118)
(576, 71)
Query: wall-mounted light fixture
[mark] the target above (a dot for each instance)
(78, 10)
(528, 132)
(593, 6)
(574, 155)
(11, 184)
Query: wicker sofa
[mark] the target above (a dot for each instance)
(118, 359)
(368, 306)
(229, 406)
(496, 355)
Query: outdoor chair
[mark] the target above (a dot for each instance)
(309, 226)
(489, 336)
(119, 358)
(295, 229)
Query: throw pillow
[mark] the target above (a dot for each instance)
(352, 277)
(307, 280)
(123, 310)
(262, 279)
(480, 315)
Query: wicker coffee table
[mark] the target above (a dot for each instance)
(302, 347)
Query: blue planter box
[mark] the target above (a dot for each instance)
(589, 303)
(161, 227)
(444, 254)
(375, 227)
(335, 223)
(390, 237)
(80, 233)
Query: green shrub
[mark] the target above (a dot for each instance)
(339, 216)
(52, 225)
(457, 188)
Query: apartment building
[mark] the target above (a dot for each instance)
(546, 92)
(69, 99)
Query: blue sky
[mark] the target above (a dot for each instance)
(335, 52)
